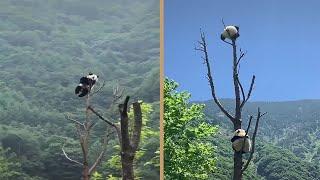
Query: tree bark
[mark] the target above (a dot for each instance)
(237, 157)
(127, 166)
(85, 171)
(129, 145)
(83, 130)
(236, 84)
(238, 167)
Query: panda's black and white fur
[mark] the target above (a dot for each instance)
(230, 32)
(86, 84)
(241, 142)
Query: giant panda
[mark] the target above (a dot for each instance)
(241, 142)
(86, 84)
(230, 32)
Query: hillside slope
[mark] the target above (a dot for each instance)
(45, 47)
(289, 136)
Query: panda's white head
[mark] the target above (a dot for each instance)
(93, 76)
(230, 32)
(240, 133)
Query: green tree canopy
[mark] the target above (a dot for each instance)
(188, 152)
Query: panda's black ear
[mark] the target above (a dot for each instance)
(90, 73)
(237, 27)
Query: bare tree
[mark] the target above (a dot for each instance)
(240, 100)
(129, 141)
(83, 132)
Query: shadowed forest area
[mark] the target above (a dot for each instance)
(45, 47)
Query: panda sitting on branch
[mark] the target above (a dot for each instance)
(86, 84)
(230, 32)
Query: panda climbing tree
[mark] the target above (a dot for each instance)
(241, 142)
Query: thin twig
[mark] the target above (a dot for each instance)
(249, 92)
(65, 154)
(248, 127)
(73, 120)
(242, 54)
(99, 89)
(99, 158)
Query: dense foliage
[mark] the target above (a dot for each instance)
(45, 47)
(189, 153)
(288, 140)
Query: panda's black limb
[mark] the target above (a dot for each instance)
(222, 37)
(84, 92)
(78, 89)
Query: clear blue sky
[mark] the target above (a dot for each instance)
(282, 39)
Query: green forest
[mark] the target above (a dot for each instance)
(45, 48)
(288, 145)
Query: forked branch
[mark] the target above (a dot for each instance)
(203, 48)
(249, 92)
(253, 139)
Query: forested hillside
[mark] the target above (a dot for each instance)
(45, 47)
(288, 140)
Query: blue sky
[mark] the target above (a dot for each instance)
(282, 40)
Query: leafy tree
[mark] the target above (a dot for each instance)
(188, 152)
(8, 166)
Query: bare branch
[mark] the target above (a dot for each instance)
(100, 88)
(224, 25)
(242, 90)
(117, 93)
(247, 131)
(108, 122)
(249, 125)
(99, 158)
(249, 92)
(73, 120)
(65, 154)
(227, 42)
(253, 140)
(242, 54)
(210, 79)
(102, 118)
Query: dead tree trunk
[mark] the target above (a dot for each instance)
(240, 100)
(129, 141)
(83, 131)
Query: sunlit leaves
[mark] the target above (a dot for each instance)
(189, 154)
